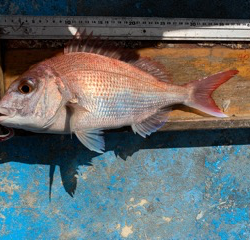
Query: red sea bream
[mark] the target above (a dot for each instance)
(89, 89)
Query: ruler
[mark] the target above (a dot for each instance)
(134, 28)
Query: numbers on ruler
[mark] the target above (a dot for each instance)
(68, 21)
(152, 23)
(143, 23)
(132, 23)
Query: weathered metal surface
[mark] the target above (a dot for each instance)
(178, 185)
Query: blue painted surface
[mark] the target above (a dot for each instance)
(174, 185)
(150, 8)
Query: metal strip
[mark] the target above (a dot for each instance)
(63, 27)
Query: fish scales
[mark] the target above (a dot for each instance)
(114, 92)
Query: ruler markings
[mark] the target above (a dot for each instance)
(42, 27)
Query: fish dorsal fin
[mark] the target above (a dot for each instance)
(83, 42)
(151, 124)
(156, 69)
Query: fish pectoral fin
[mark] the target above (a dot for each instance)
(56, 115)
(77, 114)
(92, 139)
(152, 123)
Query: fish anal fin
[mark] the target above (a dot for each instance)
(151, 124)
(92, 139)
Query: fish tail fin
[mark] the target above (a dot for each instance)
(201, 90)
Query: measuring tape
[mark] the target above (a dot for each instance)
(134, 28)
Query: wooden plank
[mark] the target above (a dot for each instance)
(186, 62)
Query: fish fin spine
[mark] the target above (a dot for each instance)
(83, 42)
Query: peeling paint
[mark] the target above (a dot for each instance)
(30, 199)
(73, 234)
(8, 186)
(185, 191)
(84, 176)
(126, 231)
(140, 204)
(200, 215)
(118, 226)
(167, 219)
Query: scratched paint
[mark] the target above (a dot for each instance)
(187, 185)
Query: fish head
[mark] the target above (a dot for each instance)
(31, 100)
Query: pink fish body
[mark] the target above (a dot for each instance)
(84, 92)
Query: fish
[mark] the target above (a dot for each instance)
(91, 88)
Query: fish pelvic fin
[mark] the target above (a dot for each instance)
(92, 139)
(201, 90)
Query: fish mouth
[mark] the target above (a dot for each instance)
(6, 113)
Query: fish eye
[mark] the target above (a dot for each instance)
(26, 87)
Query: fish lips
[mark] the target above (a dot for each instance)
(6, 113)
